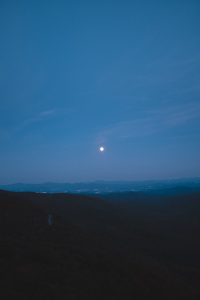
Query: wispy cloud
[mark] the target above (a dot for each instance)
(151, 122)
(47, 113)
(41, 116)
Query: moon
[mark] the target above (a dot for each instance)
(101, 149)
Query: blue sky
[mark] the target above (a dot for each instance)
(75, 75)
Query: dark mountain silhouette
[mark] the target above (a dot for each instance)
(117, 246)
(98, 187)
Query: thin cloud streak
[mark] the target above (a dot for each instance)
(154, 121)
(44, 115)
(40, 117)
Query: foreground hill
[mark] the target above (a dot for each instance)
(121, 246)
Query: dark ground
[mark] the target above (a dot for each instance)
(122, 246)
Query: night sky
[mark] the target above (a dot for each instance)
(77, 75)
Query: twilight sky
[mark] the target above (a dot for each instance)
(76, 75)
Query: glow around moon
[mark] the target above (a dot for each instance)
(101, 149)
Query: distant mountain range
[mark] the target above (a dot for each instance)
(99, 187)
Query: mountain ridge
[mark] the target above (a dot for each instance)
(100, 186)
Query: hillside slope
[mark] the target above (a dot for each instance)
(112, 248)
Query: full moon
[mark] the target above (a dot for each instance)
(101, 149)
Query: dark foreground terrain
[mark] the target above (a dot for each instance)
(120, 246)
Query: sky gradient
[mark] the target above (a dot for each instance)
(77, 75)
